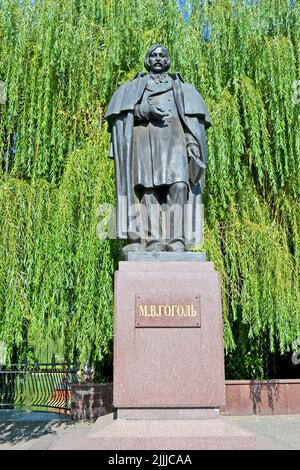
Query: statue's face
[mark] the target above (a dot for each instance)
(158, 60)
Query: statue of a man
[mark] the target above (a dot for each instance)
(157, 124)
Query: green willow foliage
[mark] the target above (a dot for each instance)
(61, 61)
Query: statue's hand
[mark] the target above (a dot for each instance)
(196, 166)
(156, 113)
(193, 151)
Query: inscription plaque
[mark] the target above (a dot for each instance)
(167, 311)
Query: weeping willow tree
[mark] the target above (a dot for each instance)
(60, 63)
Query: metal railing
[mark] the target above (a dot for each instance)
(39, 386)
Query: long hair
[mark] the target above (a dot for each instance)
(150, 50)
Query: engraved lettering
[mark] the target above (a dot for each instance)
(153, 310)
(143, 310)
(169, 314)
(169, 310)
(180, 310)
(194, 311)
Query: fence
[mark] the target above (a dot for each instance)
(44, 387)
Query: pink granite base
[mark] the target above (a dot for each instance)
(168, 364)
(204, 434)
(167, 413)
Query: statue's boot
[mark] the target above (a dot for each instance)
(133, 247)
(156, 245)
(177, 245)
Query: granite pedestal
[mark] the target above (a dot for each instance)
(168, 360)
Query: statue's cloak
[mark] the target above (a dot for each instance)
(120, 116)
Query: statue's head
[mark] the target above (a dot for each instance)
(157, 59)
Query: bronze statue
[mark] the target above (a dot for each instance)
(157, 124)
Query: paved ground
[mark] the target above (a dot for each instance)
(21, 430)
(280, 432)
(38, 431)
